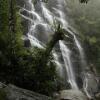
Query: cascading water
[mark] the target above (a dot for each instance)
(66, 53)
(41, 18)
(82, 56)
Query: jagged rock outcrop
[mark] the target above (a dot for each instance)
(11, 92)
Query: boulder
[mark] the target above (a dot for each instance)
(11, 92)
(72, 95)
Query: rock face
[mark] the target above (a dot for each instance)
(72, 95)
(90, 85)
(14, 93)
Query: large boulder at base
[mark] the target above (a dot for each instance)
(11, 92)
(72, 95)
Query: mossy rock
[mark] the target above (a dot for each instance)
(3, 95)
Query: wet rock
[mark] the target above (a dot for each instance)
(90, 85)
(72, 95)
(15, 93)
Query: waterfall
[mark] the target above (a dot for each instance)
(66, 53)
(41, 18)
(82, 55)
